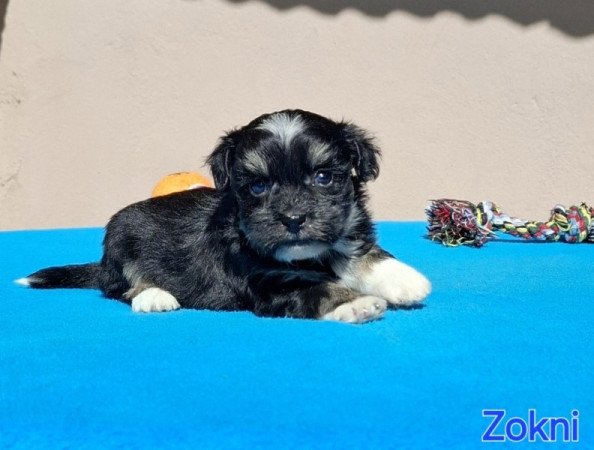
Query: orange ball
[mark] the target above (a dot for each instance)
(178, 182)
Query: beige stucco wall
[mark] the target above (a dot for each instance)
(99, 99)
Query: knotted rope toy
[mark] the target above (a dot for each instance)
(459, 222)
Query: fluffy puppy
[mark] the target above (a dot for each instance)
(286, 232)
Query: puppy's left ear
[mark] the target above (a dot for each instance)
(220, 161)
(364, 153)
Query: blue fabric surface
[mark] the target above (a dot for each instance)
(507, 326)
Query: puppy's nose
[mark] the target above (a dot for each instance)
(293, 222)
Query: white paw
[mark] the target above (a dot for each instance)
(389, 278)
(398, 283)
(361, 310)
(154, 299)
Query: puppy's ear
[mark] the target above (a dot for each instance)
(220, 161)
(363, 151)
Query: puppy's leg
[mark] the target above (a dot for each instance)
(379, 274)
(144, 296)
(324, 301)
(154, 299)
(344, 305)
(360, 310)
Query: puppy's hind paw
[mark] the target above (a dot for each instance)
(154, 300)
(361, 310)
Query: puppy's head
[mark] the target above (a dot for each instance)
(295, 175)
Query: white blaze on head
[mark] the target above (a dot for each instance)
(283, 126)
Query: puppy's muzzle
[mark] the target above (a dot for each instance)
(293, 222)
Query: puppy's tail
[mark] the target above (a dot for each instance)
(75, 276)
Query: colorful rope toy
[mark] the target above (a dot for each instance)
(458, 222)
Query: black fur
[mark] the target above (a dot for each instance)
(231, 248)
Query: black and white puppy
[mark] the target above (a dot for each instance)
(286, 232)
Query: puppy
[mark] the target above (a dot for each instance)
(286, 232)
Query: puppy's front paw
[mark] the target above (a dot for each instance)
(398, 283)
(154, 300)
(361, 310)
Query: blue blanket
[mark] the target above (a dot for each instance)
(508, 326)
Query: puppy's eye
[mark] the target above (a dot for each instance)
(323, 178)
(259, 187)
